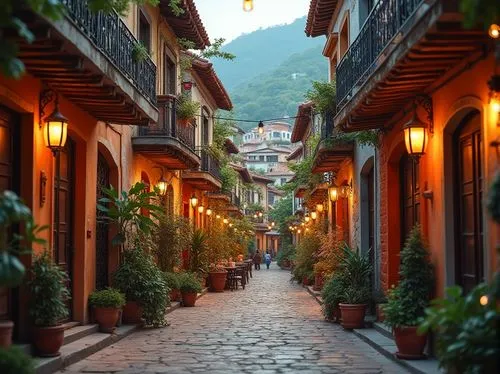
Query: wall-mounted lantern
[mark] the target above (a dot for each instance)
(416, 133)
(314, 215)
(333, 192)
(55, 125)
(225, 221)
(320, 208)
(209, 211)
(201, 209)
(193, 200)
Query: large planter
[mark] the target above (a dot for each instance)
(305, 281)
(175, 295)
(48, 340)
(107, 318)
(189, 299)
(6, 328)
(353, 315)
(218, 281)
(318, 282)
(410, 344)
(132, 313)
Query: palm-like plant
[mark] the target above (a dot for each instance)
(356, 269)
(198, 256)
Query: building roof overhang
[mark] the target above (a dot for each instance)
(302, 121)
(296, 153)
(230, 146)
(319, 17)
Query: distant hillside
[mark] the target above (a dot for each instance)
(262, 51)
(278, 92)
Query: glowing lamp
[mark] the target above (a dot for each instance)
(494, 31)
(260, 214)
(302, 224)
(483, 300)
(299, 231)
(269, 227)
(320, 208)
(260, 128)
(226, 221)
(230, 225)
(209, 212)
(56, 130)
(307, 218)
(255, 215)
(193, 200)
(495, 102)
(415, 134)
(217, 216)
(162, 186)
(201, 209)
(314, 215)
(290, 228)
(247, 5)
(333, 192)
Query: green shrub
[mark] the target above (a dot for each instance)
(140, 279)
(287, 253)
(172, 280)
(186, 108)
(48, 291)
(189, 283)
(108, 298)
(333, 293)
(406, 303)
(14, 361)
(305, 257)
(356, 269)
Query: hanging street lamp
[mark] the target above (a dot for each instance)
(260, 128)
(333, 192)
(55, 130)
(416, 137)
(247, 5)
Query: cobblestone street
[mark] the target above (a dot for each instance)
(274, 326)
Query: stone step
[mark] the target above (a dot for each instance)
(383, 329)
(78, 332)
(386, 346)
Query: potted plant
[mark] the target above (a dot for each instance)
(356, 269)
(190, 287)
(198, 254)
(186, 109)
(107, 305)
(172, 281)
(217, 274)
(332, 294)
(48, 304)
(14, 361)
(144, 286)
(406, 303)
(12, 244)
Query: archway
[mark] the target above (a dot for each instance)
(367, 216)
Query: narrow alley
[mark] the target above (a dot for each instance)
(274, 326)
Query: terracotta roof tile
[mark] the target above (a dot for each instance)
(319, 17)
(302, 119)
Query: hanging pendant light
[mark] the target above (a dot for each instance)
(193, 200)
(56, 130)
(247, 5)
(333, 192)
(260, 128)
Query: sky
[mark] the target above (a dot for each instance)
(226, 18)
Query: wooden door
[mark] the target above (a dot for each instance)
(9, 180)
(410, 196)
(469, 195)
(64, 209)
(102, 227)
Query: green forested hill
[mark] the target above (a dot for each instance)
(278, 92)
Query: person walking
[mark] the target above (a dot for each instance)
(267, 258)
(256, 260)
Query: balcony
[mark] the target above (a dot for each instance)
(207, 176)
(88, 58)
(404, 47)
(169, 142)
(333, 149)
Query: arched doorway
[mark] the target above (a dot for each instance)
(64, 187)
(102, 227)
(468, 195)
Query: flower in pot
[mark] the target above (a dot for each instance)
(172, 281)
(217, 274)
(12, 244)
(48, 305)
(356, 269)
(190, 287)
(14, 361)
(186, 109)
(107, 305)
(407, 302)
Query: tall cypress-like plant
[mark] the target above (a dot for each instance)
(407, 302)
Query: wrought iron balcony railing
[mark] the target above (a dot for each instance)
(168, 125)
(209, 164)
(383, 23)
(110, 34)
(327, 126)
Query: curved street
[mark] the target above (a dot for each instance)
(273, 326)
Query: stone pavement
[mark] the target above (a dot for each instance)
(273, 326)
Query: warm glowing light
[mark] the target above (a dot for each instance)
(230, 225)
(320, 208)
(260, 214)
(272, 224)
(255, 215)
(415, 134)
(307, 229)
(290, 228)
(314, 215)
(193, 200)
(247, 5)
(260, 128)
(209, 212)
(483, 300)
(201, 209)
(333, 193)
(226, 221)
(494, 31)
(56, 131)
(302, 224)
(299, 231)
(269, 227)
(162, 186)
(307, 218)
(495, 103)
(217, 216)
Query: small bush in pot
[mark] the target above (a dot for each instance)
(172, 281)
(407, 302)
(48, 304)
(218, 275)
(14, 361)
(332, 294)
(190, 287)
(107, 305)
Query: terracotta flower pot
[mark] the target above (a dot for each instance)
(305, 281)
(218, 281)
(175, 295)
(353, 315)
(189, 298)
(107, 318)
(410, 344)
(132, 313)
(48, 340)
(6, 328)
(318, 282)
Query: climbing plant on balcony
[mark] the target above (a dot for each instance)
(323, 95)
